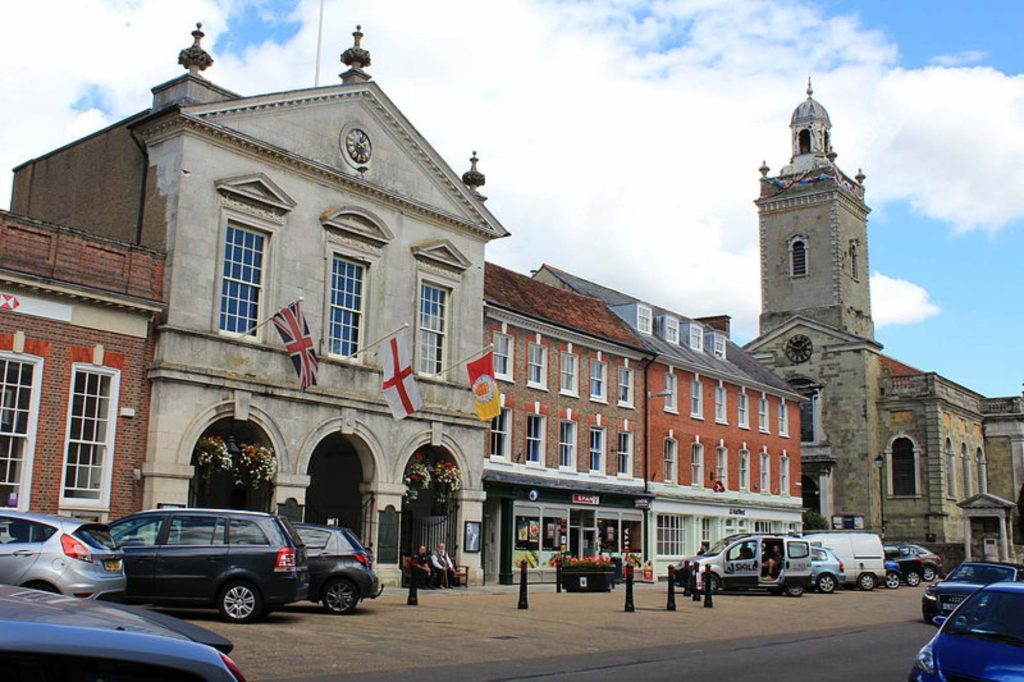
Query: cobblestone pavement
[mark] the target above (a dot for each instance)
(481, 625)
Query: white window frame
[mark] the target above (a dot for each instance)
(743, 411)
(697, 465)
(232, 223)
(359, 313)
(624, 454)
(625, 386)
(670, 398)
(766, 473)
(745, 470)
(671, 535)
(670, 459)
(783, 418)
(600, 450)
(784, 475)
(671, 330)
(696, 341)
(567, 447)
(722, 465)
(705, 530)
(763, 414)
(504, 419)
(441, 335)
(541, 367)
(569, 367)
(601, 381)
(644, 319)
(719, 349)
(540, 439)
(696, 398)
(504, 347)
(29, 449)
(721, 404)
(109, 445)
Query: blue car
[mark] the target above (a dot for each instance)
(962, 582)
(827, 571)
(982, 640)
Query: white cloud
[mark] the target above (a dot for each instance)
(962, 58)
(620, 139)
(897, 301)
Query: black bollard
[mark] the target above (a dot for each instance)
(523, 603)
(694, 592)
(671, 605)
(413, 599)
(685, 578)
(707, 587)
(558, 575)
(630, 608)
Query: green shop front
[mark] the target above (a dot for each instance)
(536, 519)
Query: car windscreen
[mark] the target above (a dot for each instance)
(96, 535)
(296, 537)
(980, 573)
(353, 540)
(990, 615)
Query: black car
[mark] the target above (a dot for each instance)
(243, 563)
(962, 582)
(931, 563)
(911, 567)
(340, 568)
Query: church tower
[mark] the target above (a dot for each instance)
(813, 233)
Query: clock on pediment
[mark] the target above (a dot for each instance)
(799, 348)
(356, 146)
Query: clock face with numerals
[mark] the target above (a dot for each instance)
(798, 348)
(357, 146)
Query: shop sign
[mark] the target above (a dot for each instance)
(642, 503)
(533, 495)
(586, 499)
(736, 511)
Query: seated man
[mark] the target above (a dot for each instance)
(775, 563)
(421, 569)
(443, 566)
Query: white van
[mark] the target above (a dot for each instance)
(778, 563)
(861, 552)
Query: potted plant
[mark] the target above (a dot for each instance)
(447, 478)
(256, 464)
(417, 476)
(211, 454)
(589, 574)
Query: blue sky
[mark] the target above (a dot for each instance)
(605, 126)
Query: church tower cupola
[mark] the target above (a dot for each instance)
(811, 130)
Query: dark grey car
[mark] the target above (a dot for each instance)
(340, 568)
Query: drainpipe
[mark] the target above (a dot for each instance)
(140, 210)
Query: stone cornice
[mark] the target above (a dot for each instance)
(83, 293)
(164, 128)
(785, 202)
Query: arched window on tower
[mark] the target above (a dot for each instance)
(828, 143)
(854, 261)
(904, 469)
(810, 409)
(798, 258)
(805, 141)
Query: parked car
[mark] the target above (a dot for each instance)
(982, 640)
(827, 571)
(962, 581)
(893, 575)
(860, 552)
(46, 636)
(932, 562)
(340, 568)
(244, 563)
(741, 562)
(60, 554)
(910, 566)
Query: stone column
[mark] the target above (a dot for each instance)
(165, 482)
(1004, 551)
(289, 485)
(967, 536)
(471, 508)
(385, 495)
(825, 493)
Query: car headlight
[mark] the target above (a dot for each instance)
(926, 659)
(929, 596)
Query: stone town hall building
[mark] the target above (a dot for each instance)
(325, 193)
(884, 445)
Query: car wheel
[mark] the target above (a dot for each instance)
(892, 580)
(929, 574)
(913, 578)
(826, 583)
(240, 602)
(867, 581)
(794, 590)
(340, 597)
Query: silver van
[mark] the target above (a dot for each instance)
(777, 563)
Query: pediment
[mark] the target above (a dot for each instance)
(441, 252)
(256, 189)
(357, 223)
(986, 501)
(798, 323)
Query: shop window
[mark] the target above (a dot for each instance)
(632, 536)
(555, 529)
(608, 532)
(671, 536)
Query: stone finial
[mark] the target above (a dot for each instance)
(356, 58)
(860, 177)
(764, 169)
(831, 156)
(473, 178)
(810, 90)
(195, 58)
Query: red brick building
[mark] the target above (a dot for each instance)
(76, 320)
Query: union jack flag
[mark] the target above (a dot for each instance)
(294, 331)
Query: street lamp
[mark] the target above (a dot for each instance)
(880, 464)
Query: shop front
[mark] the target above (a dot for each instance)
(539, 519)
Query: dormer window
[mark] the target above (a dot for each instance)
(696, 337)
(668, 328)
(714, 343)
(643, 319)
(798, 257)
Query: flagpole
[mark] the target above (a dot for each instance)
(383, 338)
(319, 40)
(466, 359)
(300, 299)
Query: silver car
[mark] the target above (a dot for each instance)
(59, 554)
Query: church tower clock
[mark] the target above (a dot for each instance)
(813, 234)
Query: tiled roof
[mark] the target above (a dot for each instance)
(896, 368)
(510, 290)
(737, 362)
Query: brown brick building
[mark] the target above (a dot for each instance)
(76, 318)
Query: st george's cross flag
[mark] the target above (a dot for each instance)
(486, 398)
(294, 331)
(399, 384)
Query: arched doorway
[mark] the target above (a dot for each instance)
(333, 497)
(234, 467)
(430, 508)
(812, 495)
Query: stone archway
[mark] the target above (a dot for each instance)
(229, 482)
(339, 471)
(429, 513)
(811, 494)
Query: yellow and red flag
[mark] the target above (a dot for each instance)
(486, 398)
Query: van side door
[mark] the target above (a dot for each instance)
(741, 566)
(798, 559)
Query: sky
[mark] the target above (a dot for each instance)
(621, 139)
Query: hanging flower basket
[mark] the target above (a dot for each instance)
(417, 476)
(211, 454)
(255, 464)
(448, 478)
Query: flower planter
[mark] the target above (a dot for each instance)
(586, 580)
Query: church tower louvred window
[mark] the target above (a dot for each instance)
(798, 257)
